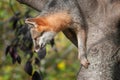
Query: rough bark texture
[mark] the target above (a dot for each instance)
(102, 18)
(103, 40)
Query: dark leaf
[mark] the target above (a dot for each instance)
(23, 29)
(30, 46)
(15, 23)
(7, 50)
(42, 53)
(15, 42)
(16, 20)
(17, 13)
(18, 31)
(37, 61)
(13, 61)
(12, 19)
(28, 68)
(52, 42)
(36, 76)
(13, 53)
(27, 15)
(18, 59)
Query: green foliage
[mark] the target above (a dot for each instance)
(61, 62)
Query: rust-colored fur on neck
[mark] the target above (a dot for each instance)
(52, 22)
(59, 21)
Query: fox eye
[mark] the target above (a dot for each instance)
(35, 38)
(39, 35)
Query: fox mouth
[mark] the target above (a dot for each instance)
(42, 46)
(37, 48)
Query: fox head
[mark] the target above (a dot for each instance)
(40, 32)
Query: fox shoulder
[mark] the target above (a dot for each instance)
(59, 18)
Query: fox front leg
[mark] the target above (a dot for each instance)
(81, 37)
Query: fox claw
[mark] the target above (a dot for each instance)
(85, 63)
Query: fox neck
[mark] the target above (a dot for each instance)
(59, 21)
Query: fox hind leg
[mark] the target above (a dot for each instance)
(81, 37)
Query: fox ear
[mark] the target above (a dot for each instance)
(31, 21)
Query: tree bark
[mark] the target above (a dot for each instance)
(103, 41)
(103, 55)
(36, 4)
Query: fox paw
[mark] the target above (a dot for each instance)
(85, 62)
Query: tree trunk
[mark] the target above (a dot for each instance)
(103, 55)
(103, 41)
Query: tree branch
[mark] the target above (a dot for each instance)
(36, 4)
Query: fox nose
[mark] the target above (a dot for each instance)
(26, 20)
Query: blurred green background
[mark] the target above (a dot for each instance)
(60, 65)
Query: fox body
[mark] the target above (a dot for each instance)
(46, 27)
